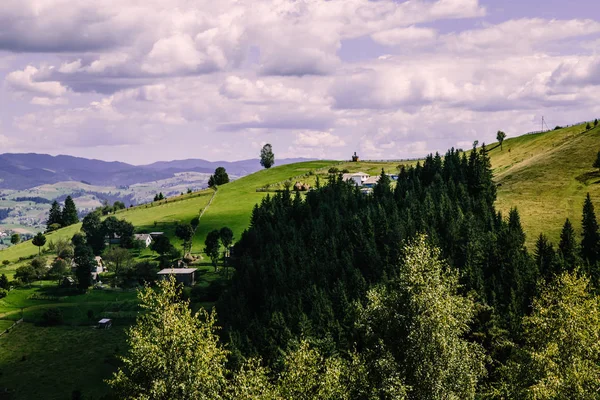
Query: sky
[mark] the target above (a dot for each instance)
(147, 80)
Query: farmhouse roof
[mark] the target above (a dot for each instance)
(104, 321)
(177, 271)
(372, 179)
(142, 236)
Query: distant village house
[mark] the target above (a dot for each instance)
(144, 238)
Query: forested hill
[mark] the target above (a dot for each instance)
(304, 269)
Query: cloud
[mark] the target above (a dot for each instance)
(410, 36)
(580, 71)
(25, 81)
(521, 34)
(318, 139)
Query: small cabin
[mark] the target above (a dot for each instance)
(105, 323)
(182, 275)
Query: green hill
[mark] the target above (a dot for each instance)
(546, 176)
(232, 206)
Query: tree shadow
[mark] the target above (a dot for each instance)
(589, 178)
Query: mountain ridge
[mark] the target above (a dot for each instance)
(19, 171)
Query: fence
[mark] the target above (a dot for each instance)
(561, 127)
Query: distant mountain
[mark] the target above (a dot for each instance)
(24, 171)
(239, 168)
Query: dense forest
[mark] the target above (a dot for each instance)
(420, 290)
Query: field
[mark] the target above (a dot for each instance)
(61, 359)
(52, 362)
(547, 176)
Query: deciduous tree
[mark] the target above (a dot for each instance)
(173, 353)
(500, 136)
(39, 240)
(212, 247)
(561, 357)
(267, 158)
(15, 238)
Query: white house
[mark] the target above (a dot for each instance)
(358, 178)
(371, 181)
(144, 238)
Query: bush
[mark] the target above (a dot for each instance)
(3, 293)
(52, 317)
(5, 262)
(333, 170)
(345, 171)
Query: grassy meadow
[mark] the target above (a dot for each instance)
(547, 176)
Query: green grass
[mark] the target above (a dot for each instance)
(234, 201)
(50, 362)
(547, 176)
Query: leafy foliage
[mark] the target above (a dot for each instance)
(267, 158)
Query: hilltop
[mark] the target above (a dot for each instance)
(547, 176)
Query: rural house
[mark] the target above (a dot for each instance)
(144, 238)
(182, 275)
(358, 178)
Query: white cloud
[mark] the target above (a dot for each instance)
(318, 139)
(25, 81)
(521, 34)
(409, 36)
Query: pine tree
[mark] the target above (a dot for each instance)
(69, 213)
(544, 257)
(591, 238)
(567, 246)
(55, 216)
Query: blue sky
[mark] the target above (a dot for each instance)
(140, 81)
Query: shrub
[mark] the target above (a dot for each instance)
(333, 170)
(3, 293)
(52, 317)
(5, 262)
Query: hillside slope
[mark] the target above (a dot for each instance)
(547, 176)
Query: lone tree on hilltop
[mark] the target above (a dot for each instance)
(69, 213)
(596, 122)
(588, 126)
(15, 238)
(39, 240)
(267, 158)
(597, 162)
(500, 136)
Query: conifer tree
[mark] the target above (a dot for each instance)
(55, 216)
(69, 213)
(590, 236)
(567, 246)
(544, 256)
